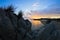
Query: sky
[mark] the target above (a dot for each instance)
(41, 6)
(35, 9)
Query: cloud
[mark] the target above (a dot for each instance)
(36, 4)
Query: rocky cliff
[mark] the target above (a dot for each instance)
(14, 27)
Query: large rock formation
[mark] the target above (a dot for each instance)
(7, 30)
(14, 27)
(24, 27)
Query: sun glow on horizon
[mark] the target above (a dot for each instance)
(37, 16)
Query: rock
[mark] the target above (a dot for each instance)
(13, 27)
(48, 31)
(29, 25)
(7, 30)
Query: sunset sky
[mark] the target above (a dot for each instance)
(31, 7)
(35, 9)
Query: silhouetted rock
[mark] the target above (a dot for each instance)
(29, 25)
(7, 30)
(14, 27)
(48, 33)
(20, 14)
(45, 21)
(23, 27)
(10, 13)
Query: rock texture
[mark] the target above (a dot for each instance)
(14, 27)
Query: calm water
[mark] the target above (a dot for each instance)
(36, 24)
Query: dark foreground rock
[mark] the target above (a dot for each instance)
(7, 29)
(14, 27)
